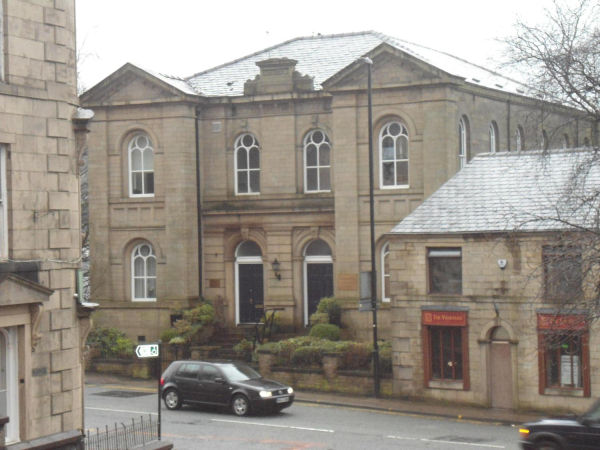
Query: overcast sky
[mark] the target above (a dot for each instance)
(183, 37)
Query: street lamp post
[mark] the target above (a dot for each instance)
(369, 63)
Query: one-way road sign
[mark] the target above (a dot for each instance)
(147, 351)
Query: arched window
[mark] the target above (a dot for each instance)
(393, 154)
(544, 143)
(317, 162)
(566, 141)
(494, 137)
(385, 272)
(520, 138)
(141, 167)
(463, 141)
(247, 165)
(143, 270)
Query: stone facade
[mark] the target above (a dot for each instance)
(41, 328)
(492, 298)
(279, 110)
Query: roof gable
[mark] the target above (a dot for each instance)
(15, 290)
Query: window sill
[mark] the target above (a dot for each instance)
(453, 385)
(564, 392)
(143, 300)
(404, 186)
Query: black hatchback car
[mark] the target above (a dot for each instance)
(224, 384)
(568, 433)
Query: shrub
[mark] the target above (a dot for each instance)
(243, 349)
(319, 318)
(333, 309)
(167, 335)
(276, 324)
(356, 356)
(111, 342)
(326, 331)
(204, 314)
(306, 357)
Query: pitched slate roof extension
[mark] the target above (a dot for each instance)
(502, 192)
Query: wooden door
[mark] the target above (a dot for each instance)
(251, 292)
(501, 376)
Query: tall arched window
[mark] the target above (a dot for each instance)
(317, 162)
(520, 138)
(141, 166)
(544, 143)
(494, 137)
(385, 272)
(247, 165)
(143, 271)
(463, 141)
(393, 154)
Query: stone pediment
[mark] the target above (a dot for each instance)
(133, 85)
(391, 67)
(15, 290)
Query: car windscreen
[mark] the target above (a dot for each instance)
(239, 373)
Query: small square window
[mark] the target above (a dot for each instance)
(445, 271)
(562, 272)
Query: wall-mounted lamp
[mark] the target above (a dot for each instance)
(276, 265)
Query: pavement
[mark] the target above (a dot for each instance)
(411, 407)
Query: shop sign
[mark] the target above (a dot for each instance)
(564, 322)
(445, 318)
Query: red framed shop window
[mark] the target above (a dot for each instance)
(445, 347)
(563, 353)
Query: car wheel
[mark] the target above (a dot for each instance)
(240, 405)
(172, 399)
(548, 445)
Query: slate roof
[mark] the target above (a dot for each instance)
(526, 191)
(323, 56)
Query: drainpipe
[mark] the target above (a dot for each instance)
(198, 203)
(508, 124)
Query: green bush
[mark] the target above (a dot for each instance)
(111, 342)
(356, 356)
(167, 335)
(204, 314)
(333, 309)
(326, 331)
(319, 318)
(276, 324)
(243, 349)
(306, 357)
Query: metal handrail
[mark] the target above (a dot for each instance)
(264, 327)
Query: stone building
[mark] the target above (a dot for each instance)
(42, 328)
(280, 142)
(491, 284)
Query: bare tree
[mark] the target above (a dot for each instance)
(560, 58)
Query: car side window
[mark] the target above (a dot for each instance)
(209, 373)
(189, 371)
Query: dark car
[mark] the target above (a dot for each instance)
(224, 384)
(567, 433)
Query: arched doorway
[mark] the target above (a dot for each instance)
(501, 373)
(9, 392)
(250, 283)
(318, 276)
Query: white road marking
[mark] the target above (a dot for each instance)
(274, 426)
(447, 442)
(123, 411)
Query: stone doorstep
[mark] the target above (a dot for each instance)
(66, 440)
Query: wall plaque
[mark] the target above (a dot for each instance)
(347, 282)
(214, 283)
(39, 372)
(445, 318)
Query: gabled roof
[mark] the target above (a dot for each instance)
(322, 57)
(502, 192)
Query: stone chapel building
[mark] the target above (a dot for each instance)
(198, 185)
(42, 132)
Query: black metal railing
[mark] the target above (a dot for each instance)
(123, 436)
(262, 329)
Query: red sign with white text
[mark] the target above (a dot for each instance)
(566, 322)
(445, 318)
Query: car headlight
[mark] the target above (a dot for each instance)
(524, 432)
(290, 391)
(265, 394)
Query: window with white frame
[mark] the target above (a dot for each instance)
(317, 162)
(463, 141)
(143, 271)
(141, 167)
(393, 154)
(3, 206)
(385, 272)
(494, 137)
(520, 138)
(247, 165)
